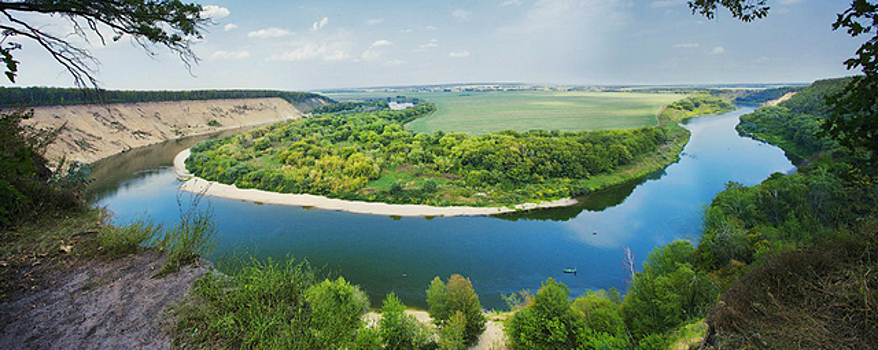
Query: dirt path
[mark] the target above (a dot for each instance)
(106, 305)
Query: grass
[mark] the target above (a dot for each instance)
(116, 242)
(40, 242)
(259, 306)
(69, 237)
(688, 336)
(484, 112)
(191, 238)
(822, 297)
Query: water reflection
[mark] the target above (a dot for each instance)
(500, 255)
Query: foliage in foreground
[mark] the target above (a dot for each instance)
(454, 303)
(285, 305)
(807, 299)
(28, 188)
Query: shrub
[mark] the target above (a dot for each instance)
(458, 296)
(337, 310)
(28, 188)
(548, 323)
(261, 306)
(401, 331)
(115, 242)
(191, 238)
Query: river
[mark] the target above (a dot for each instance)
(501, 255)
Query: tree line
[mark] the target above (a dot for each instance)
(795, 124)
(51, 96)
(286, 305)
(362, 151)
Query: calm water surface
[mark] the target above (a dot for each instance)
(499, 254)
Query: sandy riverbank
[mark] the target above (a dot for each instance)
(215, 189)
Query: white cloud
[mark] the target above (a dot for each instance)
(719, 50)
(430, 28)
(272, 32)
(459, 54)
(320, 24)
(380, 43)
(230, 26)
(511, 3)
(462, 15)
(395, 63)
(309, 51)
(214, 12)
(406, 31)
(686, 45)
(374, 21)
(790, 2)
(424, 47)
(375, 51)
(230, 55)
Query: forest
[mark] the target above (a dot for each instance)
(362, 151)
(50, 96)
(794, 124)
(786, 264)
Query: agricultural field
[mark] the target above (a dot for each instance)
(479, 113)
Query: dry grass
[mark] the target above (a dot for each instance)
(820, 298)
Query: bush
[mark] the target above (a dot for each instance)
(401, 331)
(549, 323)
(191, 238)
(668, 292)
(261, 306)
(817, 298)
(115, 242)
(28, 188)
(337, 310)
(458, 296)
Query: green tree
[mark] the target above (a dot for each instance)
(457, 296)
(854, 118)
(549, 323)
(398, 330)
(668, 292)
(436, 299)
(169, 23)
(337, 312)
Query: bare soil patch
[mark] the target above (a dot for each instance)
(98, 304)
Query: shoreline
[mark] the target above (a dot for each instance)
(195, 184)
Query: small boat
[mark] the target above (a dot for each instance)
(573, 270)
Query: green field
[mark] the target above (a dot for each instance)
(484, 112)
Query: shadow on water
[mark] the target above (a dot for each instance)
(113, 172)
(595, 201)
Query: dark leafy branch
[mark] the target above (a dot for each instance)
(169, 23)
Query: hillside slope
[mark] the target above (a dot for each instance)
(94, 132)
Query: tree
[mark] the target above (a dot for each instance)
(549, 323)
(457, 297)
(853, 120)
(337, 310)
(399, 330)
(169, 23)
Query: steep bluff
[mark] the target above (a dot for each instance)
(94, 132)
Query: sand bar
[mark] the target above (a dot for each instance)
(215, 189)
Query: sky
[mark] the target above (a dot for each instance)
(317, 45)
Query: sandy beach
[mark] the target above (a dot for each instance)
(215, 189)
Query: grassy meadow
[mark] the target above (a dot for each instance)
(479, 113)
